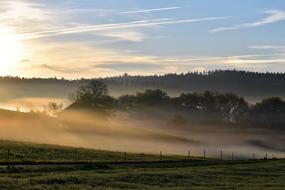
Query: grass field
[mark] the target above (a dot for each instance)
(29, 152)
(109, 170)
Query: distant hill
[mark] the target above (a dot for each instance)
(251, 85)
(248, 84)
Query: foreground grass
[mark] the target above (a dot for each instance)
(256, 175)
(146, 173)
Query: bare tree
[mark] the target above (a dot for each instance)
(54, 107)
(91, 93)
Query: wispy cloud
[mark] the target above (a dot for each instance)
(218, 59)
(132, 36)
(115, 26)
(60, 69)
(97, 12)
(268, 47)
(108, 12)
(63, 59)
(149, 10)
(162, 64)
(20, 14)
(273, 16)
(255, 61)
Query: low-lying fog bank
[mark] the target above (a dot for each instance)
(138, 133)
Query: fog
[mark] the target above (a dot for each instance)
(139, 132)
(28, 104)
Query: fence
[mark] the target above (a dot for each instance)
(85, 155)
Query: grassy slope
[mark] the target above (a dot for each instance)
(262, 174)
(21, 152)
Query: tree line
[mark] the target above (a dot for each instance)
(218, 80)
(224, 108)
(252, 85)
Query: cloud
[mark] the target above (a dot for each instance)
(273, 17)
(60, 69)
(149, 10)
(77, 59)
(115, 26)
(106, 12)
(97, 12)
(24, 15)
(255, 61)
(80, 59)
(127, 67)
(132, 36)
(77, 72)
(217, 59)
(268, 47)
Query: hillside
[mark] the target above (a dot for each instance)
(23, 152)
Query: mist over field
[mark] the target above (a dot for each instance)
(147, 129)
(139, 132)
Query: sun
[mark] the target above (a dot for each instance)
(10, 50)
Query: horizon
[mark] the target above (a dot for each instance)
(146, 75)
(92, 39)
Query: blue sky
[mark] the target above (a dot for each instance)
(89, 38)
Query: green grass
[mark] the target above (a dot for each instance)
(244, 175)
(23, 152)
(192, 174)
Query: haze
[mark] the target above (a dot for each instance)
(142, 44)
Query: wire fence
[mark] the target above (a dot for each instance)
(82, 155)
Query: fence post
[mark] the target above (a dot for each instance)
(204, 153)
(160, 156)
(76, 155)
(221, 154)
(125, 156)
(189, 154)
(8, 154)
(265, 156)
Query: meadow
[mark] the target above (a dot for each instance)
(40, 166)
(25, 152)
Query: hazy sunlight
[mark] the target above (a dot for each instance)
(11, 50)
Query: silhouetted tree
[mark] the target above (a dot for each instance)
(209, 101)
(94, 97)
(191, 101)
(152, 97)
(92, 94)
(270, 105)
(127, 101)
(231, 106)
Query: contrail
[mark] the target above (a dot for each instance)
(104, 27)
(149, 10)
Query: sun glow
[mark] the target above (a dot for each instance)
(10, 51)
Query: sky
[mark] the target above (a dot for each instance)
(95, 38)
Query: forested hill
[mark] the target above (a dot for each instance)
(240, 82)
(251, 85)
